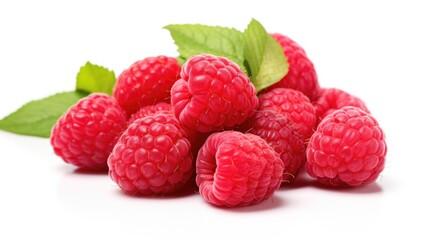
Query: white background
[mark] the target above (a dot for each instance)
(377, 50)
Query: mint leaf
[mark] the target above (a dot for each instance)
(93, 78)
(181, 60)
(36, 118)
(264, 56)
(193, 39)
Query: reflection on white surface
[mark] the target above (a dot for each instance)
(376, 50)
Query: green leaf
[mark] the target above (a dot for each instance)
(93, 78)
(36, 118)
(193, 39)
(264, 56)
(181, 60)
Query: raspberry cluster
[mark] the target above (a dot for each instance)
(168, 125)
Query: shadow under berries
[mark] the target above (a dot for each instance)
(303, 181)
(271, 203)
(372, 188)
(187, 190)
(87, 171)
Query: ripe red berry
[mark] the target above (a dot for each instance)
(277, 131)
(146, 82)
(153, 156)
(347, 149)
(150, 110)
(85, 135)
(212, 94)
(293, 105)
(236, 169)
(331, 99)
(301, 75)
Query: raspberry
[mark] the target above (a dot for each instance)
(212, 94)
(153, 156)
(347, 149)
(301, 75)
(146, 82)
(281, 136)
(85, 135)
(236, 169)
(193, 136)
(150, 110)
(293, 105)
(331, 99)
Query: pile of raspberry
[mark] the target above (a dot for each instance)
(168, 126)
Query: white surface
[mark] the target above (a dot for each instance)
(377, 50)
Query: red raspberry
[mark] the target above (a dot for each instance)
(150, 110)
(85, 135)
(193, 136)
(281, 136)
(212, 94)
(331, 99)
(293, 105)
(347, 149)
(146, 82)
(236, 169)
(153, 156)
(301, 75)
